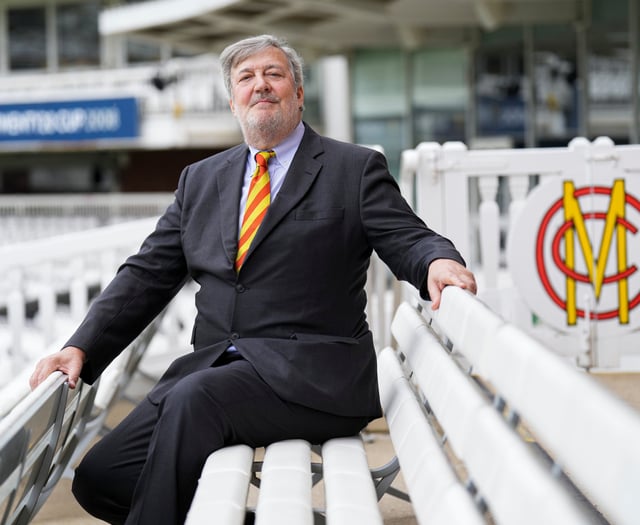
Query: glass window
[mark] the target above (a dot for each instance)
(379, 83)
(440, 94)
(78, 37)
(27, 38)
(379, 87)
(440, 78)
(499, 85)
(609, 65)
(139, 51)
(555, 87)
(389, 133)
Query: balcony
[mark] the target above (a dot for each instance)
(181, 103)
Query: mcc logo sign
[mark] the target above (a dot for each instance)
(574, 253)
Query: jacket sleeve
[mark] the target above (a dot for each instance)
(140, 290)
(401, 239)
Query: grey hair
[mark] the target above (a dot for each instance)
(243, 49)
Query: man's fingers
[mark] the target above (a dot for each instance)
(69, 361)
(434, 294)
(42, 371)
(445, 272)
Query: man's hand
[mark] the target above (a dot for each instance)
(445, 272)
(69, 361)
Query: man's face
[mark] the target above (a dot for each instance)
(264, 98)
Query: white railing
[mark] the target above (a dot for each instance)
(27, 217)
(475, 198)
(45, 286)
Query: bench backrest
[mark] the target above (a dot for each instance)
(438, 496)
(42, 435)
(503, 470)
(591, 434)
(29, 437)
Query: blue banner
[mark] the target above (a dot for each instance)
(74, 120)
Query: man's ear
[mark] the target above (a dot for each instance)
(231, 106)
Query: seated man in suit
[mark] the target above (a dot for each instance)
(278, 233)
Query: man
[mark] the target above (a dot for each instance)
(282, 346)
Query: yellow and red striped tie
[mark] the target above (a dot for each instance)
(258, 201)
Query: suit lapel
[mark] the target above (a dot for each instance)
(230, 178)
(303, 171)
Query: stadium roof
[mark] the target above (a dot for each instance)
(327, 26)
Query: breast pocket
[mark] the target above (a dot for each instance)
(329, 214)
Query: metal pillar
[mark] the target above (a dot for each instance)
(582, 54)
(634, 49)
(529, 68)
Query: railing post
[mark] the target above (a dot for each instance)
(78, 291)
(429, 186)
(16, 315)
(489, 230)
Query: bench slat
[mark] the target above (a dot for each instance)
(516, 485)
(593, 435)
(467, 323)
(349, 491)
(39, 417)
(436, 493)
(223, 487)
(285, 487)
(535, 382)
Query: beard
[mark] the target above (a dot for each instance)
(266, 130)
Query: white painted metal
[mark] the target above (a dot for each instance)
(285, 488)
(223, 487)
(589, 432)
(443, 175)
(516, 485)
(437, 495)
(350, 495)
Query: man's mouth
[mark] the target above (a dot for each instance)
(264, 100)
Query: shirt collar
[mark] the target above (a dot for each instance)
(286, 150)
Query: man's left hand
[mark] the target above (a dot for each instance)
(445, 272)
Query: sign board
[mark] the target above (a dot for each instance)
(574, 253)
(75, 120)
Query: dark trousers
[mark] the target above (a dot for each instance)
(146, 470)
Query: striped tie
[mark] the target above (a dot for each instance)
(258, 201)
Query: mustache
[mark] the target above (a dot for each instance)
(264, 98)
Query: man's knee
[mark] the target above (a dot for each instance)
(96, 490)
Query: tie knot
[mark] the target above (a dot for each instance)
(262, 157)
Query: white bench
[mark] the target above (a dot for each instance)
(37, 439)
(285, 478)
(488, 427)
(46, 431)
(536, 439)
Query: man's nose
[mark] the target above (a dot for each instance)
(261, 84)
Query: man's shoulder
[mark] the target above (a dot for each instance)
(336, 145)
(219, 157)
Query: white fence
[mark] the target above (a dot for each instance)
(46, 286)
(477, 199)
(45, 283)
(27, 217)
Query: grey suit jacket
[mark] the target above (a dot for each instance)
(296, 308)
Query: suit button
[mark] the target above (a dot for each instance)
(240, 288)
(235, 336)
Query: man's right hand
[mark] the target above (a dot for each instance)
(69, 361)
